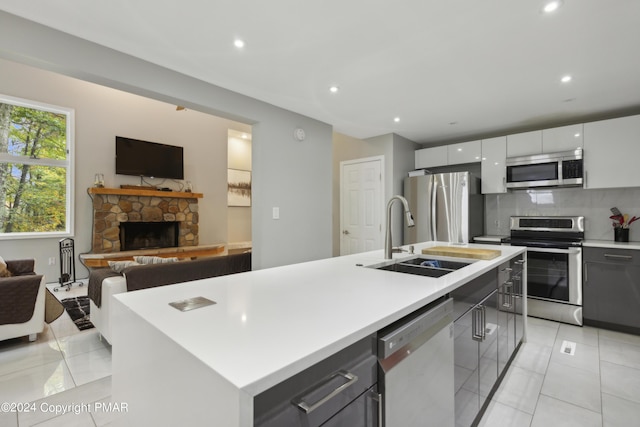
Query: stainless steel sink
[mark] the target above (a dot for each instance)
(422, 266)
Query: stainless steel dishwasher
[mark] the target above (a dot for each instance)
(416, 377)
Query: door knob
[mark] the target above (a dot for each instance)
(345, 232)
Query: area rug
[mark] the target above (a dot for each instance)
(78, 309)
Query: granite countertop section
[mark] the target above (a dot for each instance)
(611, 244)
(267, 325)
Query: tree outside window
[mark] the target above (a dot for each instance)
(35, 169)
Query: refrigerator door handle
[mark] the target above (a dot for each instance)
(434, 193)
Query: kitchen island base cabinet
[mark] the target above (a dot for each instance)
(338, 391)
(163, 385)
(611, 289)
(487, 336)
(211, 366)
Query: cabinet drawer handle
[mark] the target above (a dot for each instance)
(627, 257)
(310, 407)
(478, 326)
(377, 398)
(507, 299)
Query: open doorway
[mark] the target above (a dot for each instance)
(238, 191)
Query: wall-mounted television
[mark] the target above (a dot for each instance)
(150, 159)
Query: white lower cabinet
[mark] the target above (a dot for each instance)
(611, 152)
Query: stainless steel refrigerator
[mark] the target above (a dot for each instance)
(447, 207)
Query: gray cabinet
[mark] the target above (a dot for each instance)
(487, 330)
(611, 289)
(510, 303)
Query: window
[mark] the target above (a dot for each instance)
(36, 188)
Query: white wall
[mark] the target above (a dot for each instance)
(291, 175)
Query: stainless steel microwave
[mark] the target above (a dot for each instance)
(563, 169)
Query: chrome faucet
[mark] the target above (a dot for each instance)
(388, 250)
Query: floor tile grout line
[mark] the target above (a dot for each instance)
(622, 398)
(546, 370)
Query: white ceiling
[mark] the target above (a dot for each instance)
(450, 70)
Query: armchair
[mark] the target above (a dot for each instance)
(22, 301)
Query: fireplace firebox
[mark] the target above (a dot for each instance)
(148, 235)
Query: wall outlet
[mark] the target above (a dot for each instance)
(52, 261)
(276, 213)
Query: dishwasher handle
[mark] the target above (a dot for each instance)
(307, 407)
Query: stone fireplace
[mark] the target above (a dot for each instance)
(115, 210)
(148, 235)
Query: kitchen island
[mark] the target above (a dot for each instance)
(205, 366)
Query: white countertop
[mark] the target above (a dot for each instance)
(270, 324)
(611, 244)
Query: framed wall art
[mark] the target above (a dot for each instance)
(238, 187)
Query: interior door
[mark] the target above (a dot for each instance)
(361, 205)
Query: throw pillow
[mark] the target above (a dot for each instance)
(4, 272)
(119, 266)
(153, 259)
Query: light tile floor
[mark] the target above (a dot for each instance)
(598, 386)
(63, 367)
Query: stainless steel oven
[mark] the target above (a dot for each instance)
(554, 265)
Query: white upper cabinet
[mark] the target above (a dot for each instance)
(455, 154)
(431, 157)
(565, 138)
(494, 154)
(611, 153)
(524, 144)
(466, 152)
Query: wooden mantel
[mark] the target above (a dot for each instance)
(144, 192)
(186, 252)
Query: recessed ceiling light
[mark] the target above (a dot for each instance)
(334, 89)
(551, 6)
(238, 43)
(577, 135)
(566, 79)
(397, 119)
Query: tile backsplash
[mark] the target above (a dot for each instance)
(594, 205)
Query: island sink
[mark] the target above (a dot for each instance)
(422, 266)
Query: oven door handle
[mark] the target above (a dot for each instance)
(555, 250)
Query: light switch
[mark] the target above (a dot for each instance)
(276, 213)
